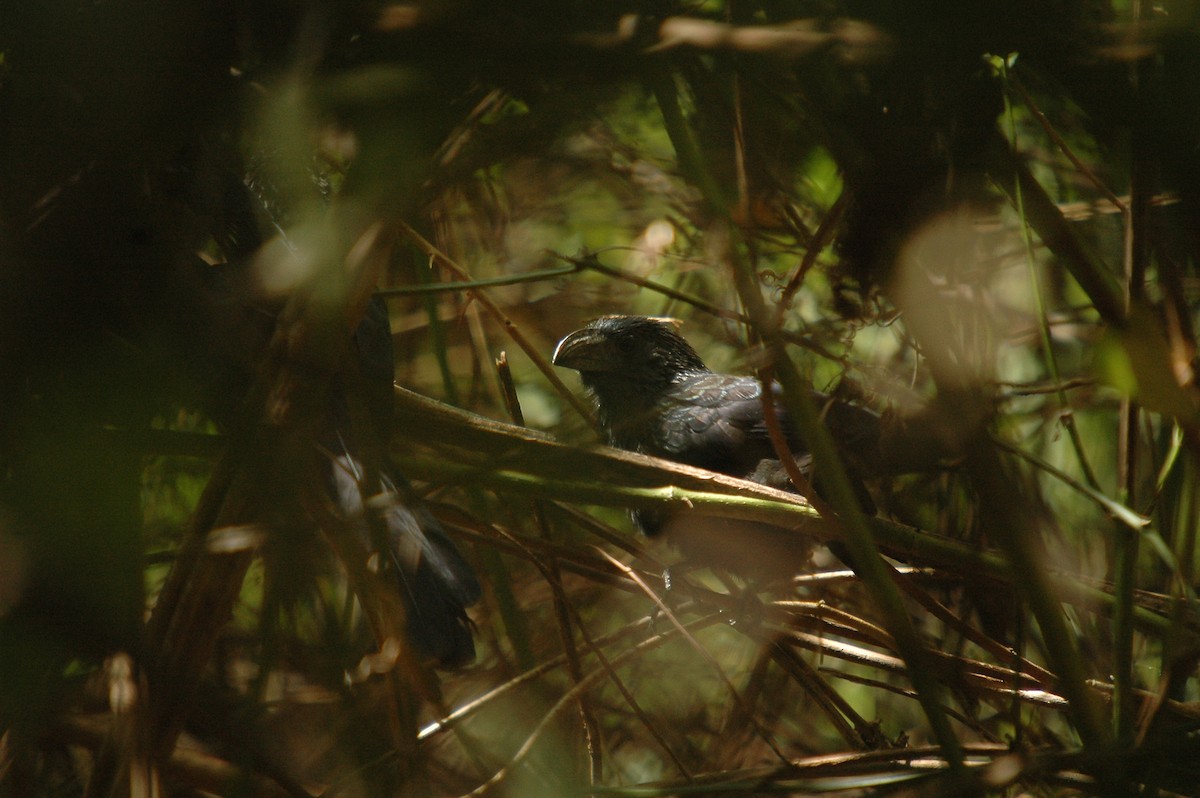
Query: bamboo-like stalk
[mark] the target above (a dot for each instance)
(473, 450)
(850, 518)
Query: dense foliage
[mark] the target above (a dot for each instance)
(978, 219)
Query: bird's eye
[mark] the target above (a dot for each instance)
(625, 345)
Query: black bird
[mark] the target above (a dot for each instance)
(655, 395)
(434, 580)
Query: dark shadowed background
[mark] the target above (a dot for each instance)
(978, 220)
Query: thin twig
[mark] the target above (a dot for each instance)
(508, 324)
(704, 652)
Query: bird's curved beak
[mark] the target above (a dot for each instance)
(585, 350)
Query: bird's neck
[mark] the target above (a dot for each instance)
(629, 410)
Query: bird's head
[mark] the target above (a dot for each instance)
(628, 356)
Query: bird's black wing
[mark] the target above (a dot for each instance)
(714, 421)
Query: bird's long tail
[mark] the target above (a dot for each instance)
(434, 580)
